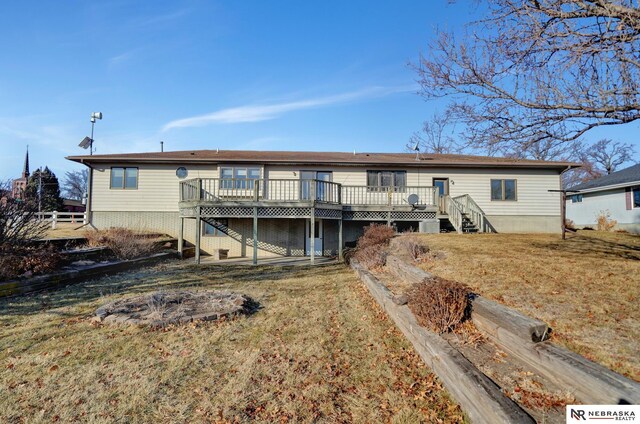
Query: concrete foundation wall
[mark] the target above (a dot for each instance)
(525, 224)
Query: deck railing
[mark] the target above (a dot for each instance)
(391, 196)
(296, 190)
(271, 190)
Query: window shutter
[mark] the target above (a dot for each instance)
(627, 196)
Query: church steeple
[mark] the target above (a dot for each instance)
(25, 170)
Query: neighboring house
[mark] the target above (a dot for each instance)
(616, 194)
(73, 205)
(312, 203)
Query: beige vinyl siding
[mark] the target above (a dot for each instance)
(532, 185)
(533, 197)
(158, 188)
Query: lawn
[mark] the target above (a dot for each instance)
(66, 229)
(319, 349)
(586, 287)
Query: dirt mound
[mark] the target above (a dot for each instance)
(160, 309)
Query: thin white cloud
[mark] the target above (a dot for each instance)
(256, 113)
(121, 58)
(156, 20)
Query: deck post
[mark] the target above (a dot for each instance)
(255, 235)
(198, 230)
(181, 238)
(340, 253)
(312, 220)
(312, 235)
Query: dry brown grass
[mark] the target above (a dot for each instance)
(319, 350)
(66, 230)
(587, 287)
(123, 242)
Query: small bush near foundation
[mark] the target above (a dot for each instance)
(371, 248)
(569, 224)
(123, 242)
(439, 304)
(18, 261)
(412, 247)
(604, 222)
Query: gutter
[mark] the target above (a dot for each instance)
(610, 187)
(424, 164)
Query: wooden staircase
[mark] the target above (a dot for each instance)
(465, 216)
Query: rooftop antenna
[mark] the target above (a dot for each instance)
(162, 146)
(417, 150)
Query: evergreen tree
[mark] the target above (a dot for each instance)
(47, 182)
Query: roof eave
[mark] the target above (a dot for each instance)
(412, 164)
(609, 187)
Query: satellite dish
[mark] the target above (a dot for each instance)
(85, 143)
(413, 199)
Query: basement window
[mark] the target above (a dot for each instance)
(217, 228)
(503, 190)
(124, 178)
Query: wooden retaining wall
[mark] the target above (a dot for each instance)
(479, 397)
(65, 278)
(526, 339)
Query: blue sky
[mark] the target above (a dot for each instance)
(280, 75)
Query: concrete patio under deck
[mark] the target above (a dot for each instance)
(278, 261)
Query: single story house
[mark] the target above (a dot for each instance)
(270, 203)
(616, 194)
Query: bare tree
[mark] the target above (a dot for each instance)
(436, 136)
(608, 155)
(539, 70)
(18, 221)
(74, 185)
(544, 150)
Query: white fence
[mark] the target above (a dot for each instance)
(58, 217)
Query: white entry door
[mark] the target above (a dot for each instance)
(317, 239)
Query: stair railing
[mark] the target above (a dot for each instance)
(454, 211)
(474, 213)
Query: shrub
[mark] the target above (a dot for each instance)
(19, 223)
(371, 248)
(439, 304)
(123, 242)
(604, 222)
(569, 224)
(17, 261)
(412, 247)
(374, 235)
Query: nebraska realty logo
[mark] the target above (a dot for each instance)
(602, 413)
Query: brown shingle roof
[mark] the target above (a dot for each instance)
(320, 158)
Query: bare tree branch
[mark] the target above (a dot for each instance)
(539, 70)
(436, 136)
